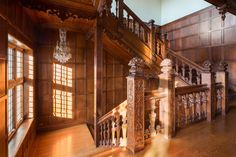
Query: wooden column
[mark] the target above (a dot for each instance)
(98, 77)
(135, 108)
(165, 46)
(3, 89)
(222, 76)
(121, 14)
(167, 105)
(207, 77)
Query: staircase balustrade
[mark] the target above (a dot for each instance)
(191, 104)
(177, 107)
(187, 70)
(128, 20)
(113, 127)
(153, 115)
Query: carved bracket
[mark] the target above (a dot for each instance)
(59, 11)
(223, 10)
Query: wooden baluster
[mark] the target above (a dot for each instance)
(204, 104)
(185, 103)
(192, 107)
(143, 35)
(219, 100)
(101, 135)
(104, 133)
(183, 71)
(176, 67)
(108, 133)
(198, 78)
(128, 25)
(117, 9)
(179, 115)
(121, 12)
(123, 113)
(113, 131)
(124, 125)
(117, 128)
(152, 118)
(198, 106)
(139, 31)
(134, 26)
(190, 74)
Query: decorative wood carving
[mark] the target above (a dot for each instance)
(137, 66)
(193, 99)
(135, 100)
(59, 11)
(111, 127)
(168, 103)
(222, 11)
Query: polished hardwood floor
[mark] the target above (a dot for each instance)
(216, 139)
(68, 142)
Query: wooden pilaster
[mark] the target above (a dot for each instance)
(208, 78)
(98, 77)
(167, 104)
(222, 76)
(135, 108)
(3, 89)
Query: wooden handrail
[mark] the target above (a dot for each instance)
(158, 94)
(136, 18)
(186, 61)
(190, 89)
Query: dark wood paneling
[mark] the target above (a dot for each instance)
(15, 21)
(82, 64)
(3, 88)
(203, 35)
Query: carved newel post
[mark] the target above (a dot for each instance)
(167, 105)
(135, 108)
(208, 77)
(222, 76)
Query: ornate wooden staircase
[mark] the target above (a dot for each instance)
(123, 28)
(158, 105)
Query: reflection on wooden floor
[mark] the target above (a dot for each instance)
(66, 142)
(216, 139)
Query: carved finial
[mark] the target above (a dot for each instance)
(222, 66)
(151, 22)
(166, 65)
(207, 65)
(222, 11)
(104, 7)
(137, 67)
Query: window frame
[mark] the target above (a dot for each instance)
(62, 91)
(14, 83)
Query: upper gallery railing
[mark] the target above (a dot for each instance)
(127, 19)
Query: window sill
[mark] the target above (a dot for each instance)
(18, 138)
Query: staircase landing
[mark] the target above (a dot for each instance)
(216, 139)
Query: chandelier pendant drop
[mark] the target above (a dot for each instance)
(62, 49)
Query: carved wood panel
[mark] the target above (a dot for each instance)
(203, 35)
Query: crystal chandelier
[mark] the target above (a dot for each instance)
(62, 49)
